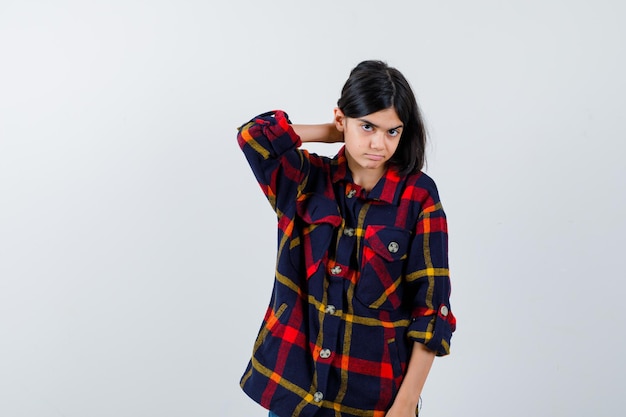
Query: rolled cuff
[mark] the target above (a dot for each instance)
(434, 330)
(270, 134)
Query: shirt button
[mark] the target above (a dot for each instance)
(349, 231)
(393, 247)
(444, 311)
(325, 353)
(318, 397)
(336, 270)
(330, 309)
(351, 193)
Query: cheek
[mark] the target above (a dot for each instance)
(353, 141)
(393, 146)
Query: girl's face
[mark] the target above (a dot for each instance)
(370, 140)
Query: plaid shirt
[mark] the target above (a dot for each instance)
(359, 277)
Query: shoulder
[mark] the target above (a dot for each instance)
(421, 192)
(421, 180)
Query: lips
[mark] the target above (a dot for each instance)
(374, 157)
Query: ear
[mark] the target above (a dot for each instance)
(340, 119)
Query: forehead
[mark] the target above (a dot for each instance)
(385, 119)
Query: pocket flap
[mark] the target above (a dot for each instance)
(390, 243)
(317, 208)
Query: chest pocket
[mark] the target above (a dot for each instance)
(318, 217)
(385, 250)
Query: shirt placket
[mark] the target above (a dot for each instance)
(340, 275)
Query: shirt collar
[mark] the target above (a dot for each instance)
(386, 189)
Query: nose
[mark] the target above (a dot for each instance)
(376, 141)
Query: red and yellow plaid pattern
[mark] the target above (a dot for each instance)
(359, 277)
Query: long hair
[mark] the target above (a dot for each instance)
(373, 86)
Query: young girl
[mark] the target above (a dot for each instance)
(360, 305)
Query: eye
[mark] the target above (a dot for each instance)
(394, 132)
(367, 128)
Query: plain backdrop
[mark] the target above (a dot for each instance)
(137, 250)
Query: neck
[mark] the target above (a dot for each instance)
(366, 178)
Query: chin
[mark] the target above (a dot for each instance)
(373, 166)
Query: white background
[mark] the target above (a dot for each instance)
(137, 251)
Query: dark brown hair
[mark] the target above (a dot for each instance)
(373, 86)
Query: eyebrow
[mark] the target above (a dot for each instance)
(376, 126)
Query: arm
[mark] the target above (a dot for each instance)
(409, 393)
(428, 277)
(271, 148)
(427, 274)
(326, 133)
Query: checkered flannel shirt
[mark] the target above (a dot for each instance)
(359, 277)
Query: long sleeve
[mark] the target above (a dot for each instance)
(428, 275)
(271, 147)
